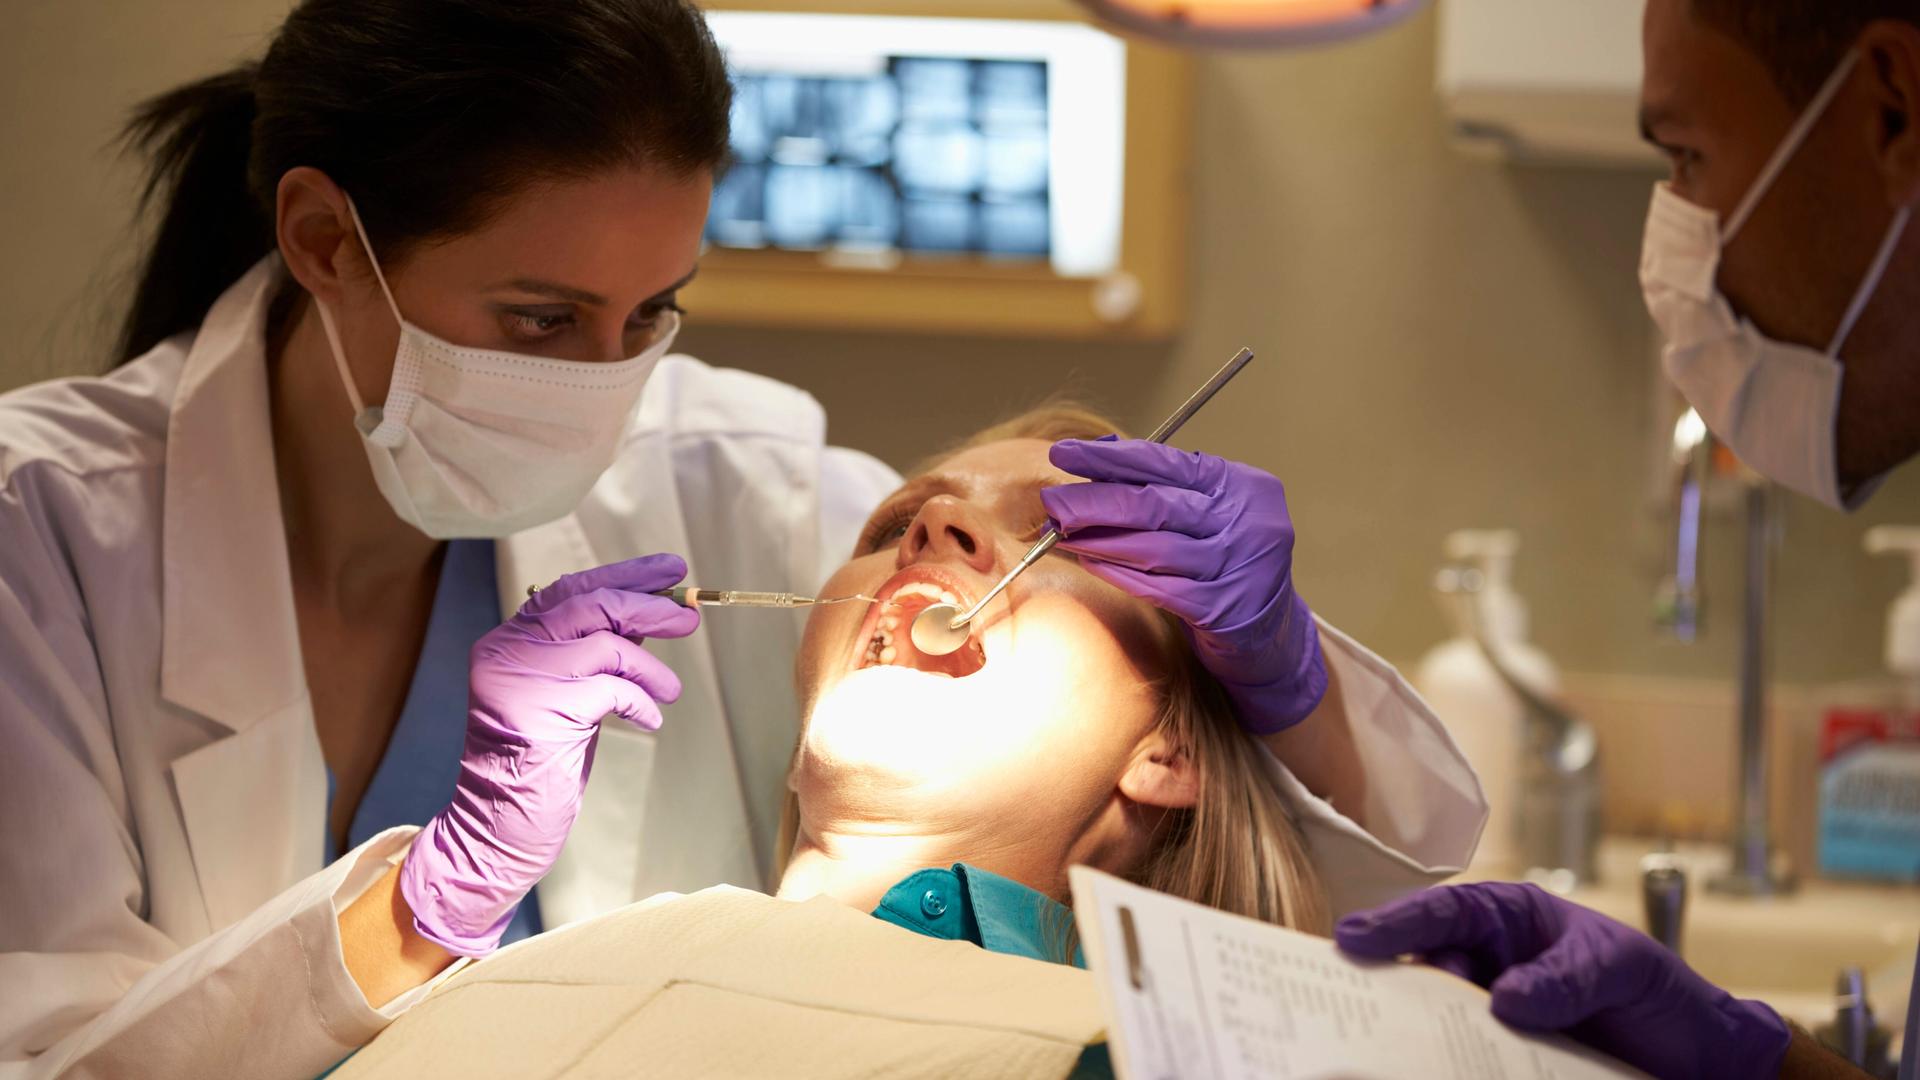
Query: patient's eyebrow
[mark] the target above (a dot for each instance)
(926, 484)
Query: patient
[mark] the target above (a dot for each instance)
(1075, 728)
(945, 795)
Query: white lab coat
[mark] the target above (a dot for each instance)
(164, 910)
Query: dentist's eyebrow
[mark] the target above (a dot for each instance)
(555, 290)
(681, 284)
(542, 287)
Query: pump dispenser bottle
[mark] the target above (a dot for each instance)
(1903, 619)
(1483, 714)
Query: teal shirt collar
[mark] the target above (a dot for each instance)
(966, 903)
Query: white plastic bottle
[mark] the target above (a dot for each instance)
(1483, 714)
(1903, 619)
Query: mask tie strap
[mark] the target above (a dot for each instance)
(1871, 283)
(1790, 146)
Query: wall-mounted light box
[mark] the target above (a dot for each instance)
(989, 167)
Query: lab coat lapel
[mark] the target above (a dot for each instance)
(253, 808)
(252, 799)
(224, 546)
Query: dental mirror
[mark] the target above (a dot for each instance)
(938, 631)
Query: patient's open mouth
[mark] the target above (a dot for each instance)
(889, 642)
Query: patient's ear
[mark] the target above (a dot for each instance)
(1161, 774)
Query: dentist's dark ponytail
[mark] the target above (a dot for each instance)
(429, 112)
(197, 139)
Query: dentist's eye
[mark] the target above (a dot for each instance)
(1681, 161)
(650, 313)
(535, 324)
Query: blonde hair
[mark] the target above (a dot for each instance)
(1237, 848)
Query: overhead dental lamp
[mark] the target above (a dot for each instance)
(1252, 23)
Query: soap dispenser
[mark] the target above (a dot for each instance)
(1484, 715)
(1903, 620)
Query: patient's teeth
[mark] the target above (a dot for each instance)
(889, 654)
(949, 598)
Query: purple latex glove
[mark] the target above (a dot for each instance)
(1555, 966)
(1210, 541)
(538, 687)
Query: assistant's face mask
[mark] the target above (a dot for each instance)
(1774, 403)
(484, 443)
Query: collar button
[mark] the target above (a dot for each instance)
(933, 904)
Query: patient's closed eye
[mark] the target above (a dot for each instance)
(887, 528)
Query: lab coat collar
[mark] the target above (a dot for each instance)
(230, 647)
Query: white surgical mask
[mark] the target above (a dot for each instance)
(1774, 403)
(483, 443)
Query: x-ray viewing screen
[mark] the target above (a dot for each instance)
(924, 137)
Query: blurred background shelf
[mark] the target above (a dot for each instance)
(897, 163)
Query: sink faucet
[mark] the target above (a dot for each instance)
(1678, 603)
(1754, 872)
(1559, 798)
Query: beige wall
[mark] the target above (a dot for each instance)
(70, 72)
(1445, 342)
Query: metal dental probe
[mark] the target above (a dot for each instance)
(942, 628)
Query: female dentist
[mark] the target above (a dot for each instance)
(396, 353)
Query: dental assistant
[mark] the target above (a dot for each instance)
(397, 352)
(1781, 270)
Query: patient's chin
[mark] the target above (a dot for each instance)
(893, 728)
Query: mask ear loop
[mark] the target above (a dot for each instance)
(340, 359)
(353, 212)
(1789, 146)
(1871, 283)
(326, 317)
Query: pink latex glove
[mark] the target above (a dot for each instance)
(538, 687)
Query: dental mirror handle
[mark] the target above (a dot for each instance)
(1161, 434)
(1032, 556)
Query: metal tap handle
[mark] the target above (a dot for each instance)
(1663, 889)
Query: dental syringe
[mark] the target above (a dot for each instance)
(693, 597)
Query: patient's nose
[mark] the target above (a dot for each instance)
(947, 528)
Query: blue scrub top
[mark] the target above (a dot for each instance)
(415, 777)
